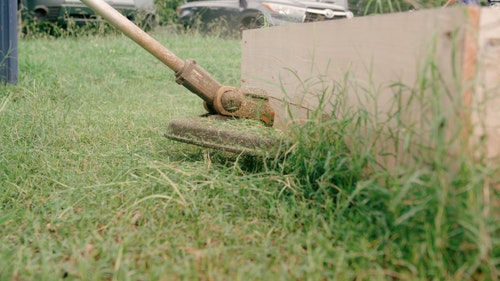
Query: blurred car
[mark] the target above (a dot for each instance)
(62, 11)
(247, 14)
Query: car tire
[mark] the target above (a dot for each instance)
(251, 20)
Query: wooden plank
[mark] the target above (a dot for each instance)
(298, 61)
(486, 106)
(414, 73)
(486, 113)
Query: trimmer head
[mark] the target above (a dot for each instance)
(242, 136)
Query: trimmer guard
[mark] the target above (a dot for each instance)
(215, 131)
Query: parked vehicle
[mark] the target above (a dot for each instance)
(142, 12)
(247, 14)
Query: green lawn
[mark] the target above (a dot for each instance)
(91, 190)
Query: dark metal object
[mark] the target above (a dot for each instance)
(8, 42)
(228, 101)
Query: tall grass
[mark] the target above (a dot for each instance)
(431, 211)
(91, 189)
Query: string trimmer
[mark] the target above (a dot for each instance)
(221, 102)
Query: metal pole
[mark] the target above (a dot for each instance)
(8, 41)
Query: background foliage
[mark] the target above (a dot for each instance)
(167, 14)
(167, 11)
